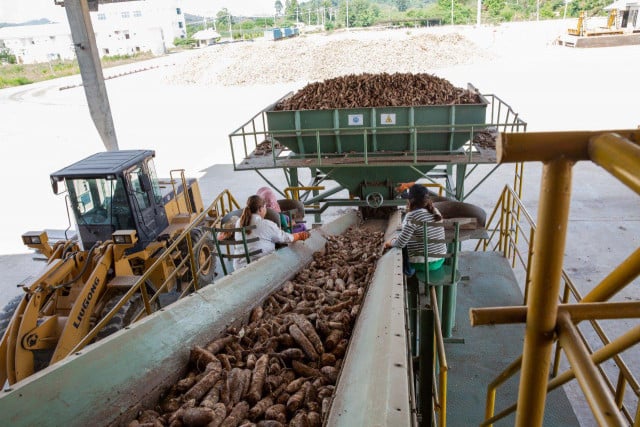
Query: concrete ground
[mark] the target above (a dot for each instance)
(45, 128)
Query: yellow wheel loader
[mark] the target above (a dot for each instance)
(143, 242)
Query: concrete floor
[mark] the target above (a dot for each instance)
(487, 350)
(553, 87)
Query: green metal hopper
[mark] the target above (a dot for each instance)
(369, 151)
(378, 131)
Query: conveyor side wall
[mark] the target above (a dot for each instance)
(108, 382)
(374, 386)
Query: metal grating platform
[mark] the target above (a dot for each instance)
(487, 350)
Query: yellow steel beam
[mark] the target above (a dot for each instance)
(546, 146)
(578, 312)
(558, 151)
(620, 277)
(617, 346)
(620, 344)
(546, 271)
(593, 385)
(618, 156)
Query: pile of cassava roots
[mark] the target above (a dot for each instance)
(281, 367)
(377, 90)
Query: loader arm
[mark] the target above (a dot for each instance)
(32, 329)
(78, 323)
(28, 309)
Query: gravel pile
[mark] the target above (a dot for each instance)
(320, 57)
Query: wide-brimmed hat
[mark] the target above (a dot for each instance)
(417, 191)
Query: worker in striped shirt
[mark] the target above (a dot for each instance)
(420, 209)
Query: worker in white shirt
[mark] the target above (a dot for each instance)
(267, 231)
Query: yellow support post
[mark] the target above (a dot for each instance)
(546, 271)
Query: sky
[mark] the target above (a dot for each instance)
(21, 11)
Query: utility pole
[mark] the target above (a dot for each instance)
(348, 14)
(230, 31)
(478, 17)
(451, 12)
(84, 41)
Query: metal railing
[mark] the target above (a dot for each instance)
(606, 389)
(440, 362)
(255, 136)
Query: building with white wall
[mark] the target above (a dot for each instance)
(628, 11)
(38, 43)
(121, 28)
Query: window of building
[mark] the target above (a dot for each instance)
(125, 14)
(178, 11)
(180, 24)
(137, 13)
(126, 35)
(102, 17)
(105, 51)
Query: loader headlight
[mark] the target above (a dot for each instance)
(34, 237)
(124, 237)
(120, 239)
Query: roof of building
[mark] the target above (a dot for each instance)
(621, 4)
(207, 34)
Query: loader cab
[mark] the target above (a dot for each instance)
(111, 191)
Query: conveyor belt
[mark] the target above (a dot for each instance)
(112, 380)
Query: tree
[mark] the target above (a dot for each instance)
(361, 13)
(291, 9)
(461, 12)
(403, 5)
(278, 6)
(7, 56)
(494, 7)
(223, 17)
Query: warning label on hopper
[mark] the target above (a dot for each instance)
(387, 119)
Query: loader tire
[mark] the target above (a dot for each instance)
(7, 313)
(123, 317)
(204, 256)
